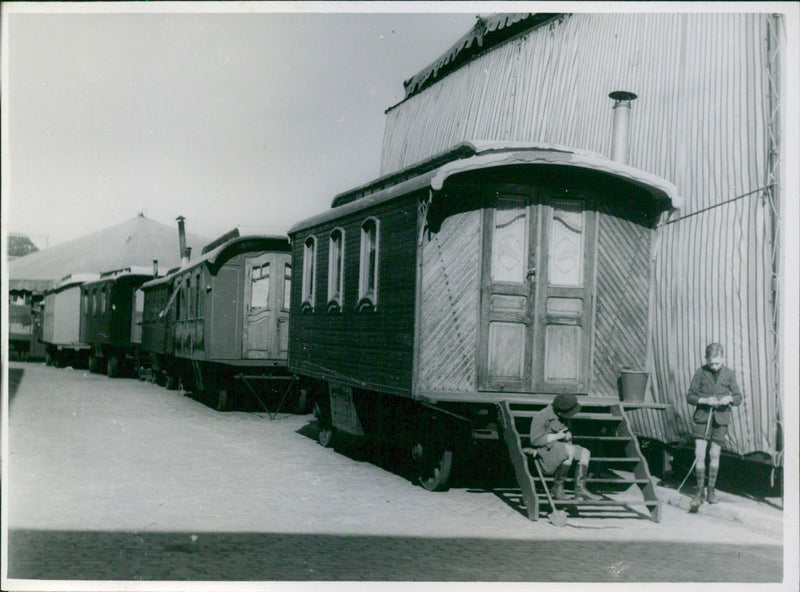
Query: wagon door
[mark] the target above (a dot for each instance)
(536, 305)
(266, 327)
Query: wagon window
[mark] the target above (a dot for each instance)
(287, 285)
(189, 301)
(336, 270)
(179, 302)
(309, 270)
(197, 308)
(102, 301)
(368, 272)
(259, 287)
(86, 310)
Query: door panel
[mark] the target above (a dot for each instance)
(507, 350)
(506, 295)
(563, 321)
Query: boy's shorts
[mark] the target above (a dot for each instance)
(716, 432)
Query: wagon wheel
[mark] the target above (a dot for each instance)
(48, 359)
(170, 380)
(112, 370)
(434, 463)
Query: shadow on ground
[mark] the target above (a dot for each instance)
(125, 556)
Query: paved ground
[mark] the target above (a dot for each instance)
(123, 480)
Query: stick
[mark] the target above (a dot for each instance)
(705, 437)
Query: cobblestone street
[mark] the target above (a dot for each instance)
(123, 480)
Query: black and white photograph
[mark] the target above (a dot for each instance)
(399, 295)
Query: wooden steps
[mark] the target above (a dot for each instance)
(616, 463)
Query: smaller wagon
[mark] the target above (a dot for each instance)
(111, 312)
(61, 322)
(224, 329)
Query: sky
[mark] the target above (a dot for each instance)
(228, 118)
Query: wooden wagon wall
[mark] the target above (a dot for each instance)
(701, 121)
(621, 298)
(371, 349)
(451, 275)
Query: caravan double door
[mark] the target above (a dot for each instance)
(536, 300)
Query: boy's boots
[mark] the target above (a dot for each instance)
(558, 481)
(580, 485)
(712, 480)
(701, 481)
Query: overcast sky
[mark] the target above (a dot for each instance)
(226, 118)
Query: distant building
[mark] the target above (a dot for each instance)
(20, 245)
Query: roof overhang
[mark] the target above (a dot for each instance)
(493, 154)
(488, 155)
(235, 246)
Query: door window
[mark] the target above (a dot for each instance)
(259, 287)
(287, 285)
(565, 264)
(510, 241)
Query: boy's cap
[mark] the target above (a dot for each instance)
(566, 404)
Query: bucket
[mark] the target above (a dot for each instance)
(633, 384)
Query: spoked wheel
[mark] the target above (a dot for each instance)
(434, 463)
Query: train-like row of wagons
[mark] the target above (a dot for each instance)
(425, 306)
(217, 325)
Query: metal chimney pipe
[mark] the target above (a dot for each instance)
(182, 239)
(622, 111)
(155, 267)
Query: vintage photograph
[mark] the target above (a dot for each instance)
(390, 295)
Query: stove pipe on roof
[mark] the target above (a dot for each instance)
(182, 240)
(622, 110)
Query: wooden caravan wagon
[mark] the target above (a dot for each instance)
(111, 311)
(490, 277)
(158, 332)
(230, 309)
(61, 322)
(706, 112)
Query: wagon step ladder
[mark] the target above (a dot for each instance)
(604, 429)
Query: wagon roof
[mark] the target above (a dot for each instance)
(470, 156)
(74, 279)
(115, 274)
(240, 244)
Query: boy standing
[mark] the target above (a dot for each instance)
(713, 391)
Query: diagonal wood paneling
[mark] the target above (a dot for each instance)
(449, 311)
(621, 300)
